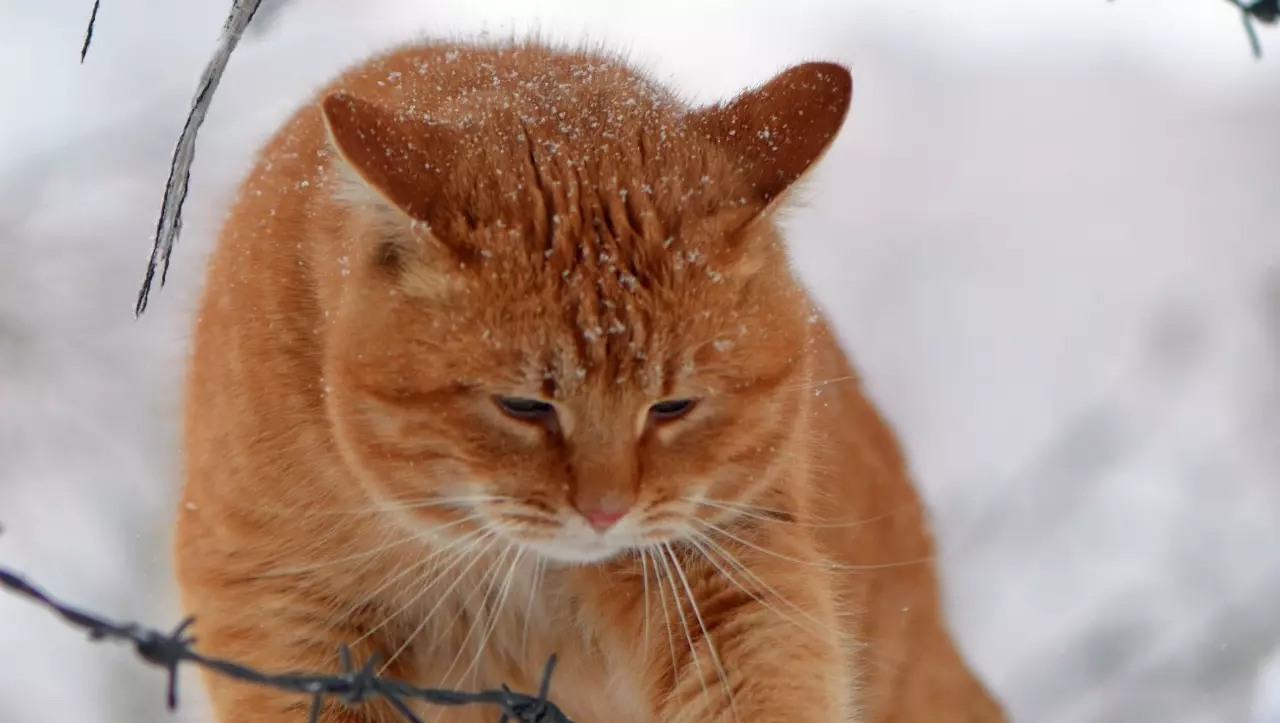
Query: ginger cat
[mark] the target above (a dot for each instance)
(501, 355)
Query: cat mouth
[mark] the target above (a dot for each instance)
(577, 552)
(568, 539)
(572, 545)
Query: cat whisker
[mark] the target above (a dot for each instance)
(426, 619)
(666, 616)
(764, 514)
(484, 588)
(459, 502)
(539, 569)
(471, 539)
(391, 505)
(381, 506)
(706, 634)
(367, 555)
(644, 575)
(481, 588)
(706, 546)
(496, 613)
(288, 572)
(535, 521)
(826, 565)
(684, 626)
(447, 551)
(388, 581)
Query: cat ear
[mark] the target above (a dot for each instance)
(406, 162)
(776, 132)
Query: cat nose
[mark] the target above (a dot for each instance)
(602, 519)
(603, 514)
(602, 510)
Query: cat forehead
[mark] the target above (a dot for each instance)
(577, 347)
(511, 123)
(579, 165)
(605, 323)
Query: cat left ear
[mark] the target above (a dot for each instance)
(406, 163)
(778, 131)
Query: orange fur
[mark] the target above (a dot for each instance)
(446, 225)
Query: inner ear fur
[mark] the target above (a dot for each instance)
(400, 166)
(403, 159)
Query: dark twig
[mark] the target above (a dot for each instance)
(175, 192)
(1263, 11)
(353, 686)
(88, 33)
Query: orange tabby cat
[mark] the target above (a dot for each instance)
(500, 356)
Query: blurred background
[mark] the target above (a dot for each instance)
(1049, 235)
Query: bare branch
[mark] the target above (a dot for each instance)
(175, 192)
(88, 32)
(1263, 11)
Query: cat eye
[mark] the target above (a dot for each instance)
(533, 410)
(671, 409)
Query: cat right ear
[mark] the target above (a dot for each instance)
(402, 160)
(780, 130)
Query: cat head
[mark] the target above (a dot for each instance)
(568, 321)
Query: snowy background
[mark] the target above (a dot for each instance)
(1050, 234)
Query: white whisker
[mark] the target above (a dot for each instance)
(706, 634)
(535, 586)
(644, 573)
(433, 577)
(366, 554)
(392, 579)
(288, 572)
(762, 513)
(827, 565)
(684, 626)
(699, 540)
(485, 587)
(666, 616)
(391, 504)
(493, 540)
(495, 614)
(448, 502)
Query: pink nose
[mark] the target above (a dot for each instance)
(601, 519)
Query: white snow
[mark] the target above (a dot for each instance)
(1050, 233)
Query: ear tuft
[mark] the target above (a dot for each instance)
(778, 131)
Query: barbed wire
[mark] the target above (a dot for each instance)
(353, 686)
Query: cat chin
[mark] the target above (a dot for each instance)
(566, 553)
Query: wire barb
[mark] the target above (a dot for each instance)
(352, 686)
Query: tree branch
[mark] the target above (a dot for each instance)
(175, 193)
